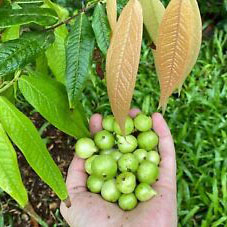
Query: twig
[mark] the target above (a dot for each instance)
(17, 76)
(83, 10)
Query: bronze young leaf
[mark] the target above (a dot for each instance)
(111, 9)
(196, 40)
(174, 46)
(123, 60)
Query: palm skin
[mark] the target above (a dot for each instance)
(90, 210)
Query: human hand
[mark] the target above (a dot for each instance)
(90, 210)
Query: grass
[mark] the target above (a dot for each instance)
(198, 122)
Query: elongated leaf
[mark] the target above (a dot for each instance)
(11, 33)
(41, 65)
(56, 54)
(196, 40)
(123, 60)
(111, 8)
(49, 97)
(29, 3)
(101, 28)
(173, 47)
(44, 17)
(24, 134)
(10, 178)
(153, 11)
(61, 12)
(15, 54)
(79, 49)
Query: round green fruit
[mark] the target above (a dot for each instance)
(88, 164)
(140, 154)
(116, 155)
(126, 182)
(108, 123)
(85, 148)
(104, 140)
(109, 191)
(94, 184)
(153, 156)
(104, 166)
(127, 201)
(147, 140)
(147, 172)
(127, 144)
(129, 127)
(144, 192)
(142, 122)
(128, 163)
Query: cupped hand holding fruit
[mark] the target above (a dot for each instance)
(90, 209)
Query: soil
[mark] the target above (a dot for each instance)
(42, 198)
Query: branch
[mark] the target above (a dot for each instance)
(83, 10)
(17, 76)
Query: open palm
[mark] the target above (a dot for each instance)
(90, 210)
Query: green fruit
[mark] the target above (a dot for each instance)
(129, 127)
(109, 151)
(144, 192)
(147, 172)
(153, 156)
(108, 123)
(128, 163)
(142, 122)
(104, 140)
(127, 144)
(104, 166)
(126, 182)
(147, 140)
(85, 148)
(88, 164)
(140, 154)
(127, 201)
(109, 191)
(116, 155)
(94, 184)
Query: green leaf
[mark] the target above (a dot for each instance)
(41, 64)
(56, 54)
(15, 54)
(101, 28)
(29, 3)
(41, 16)
(61, 12)
(24, 134)
(49, 97)
(11, 33)
(153, 11)
(79, 49)
(10, 178)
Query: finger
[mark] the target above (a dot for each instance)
(167, 151)
(76, 178)
(133, 112)
(95, 123)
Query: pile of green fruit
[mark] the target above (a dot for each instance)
(122, 168)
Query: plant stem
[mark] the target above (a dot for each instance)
(83, 10)
(17, 75)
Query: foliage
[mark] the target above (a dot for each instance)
(59, 73)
